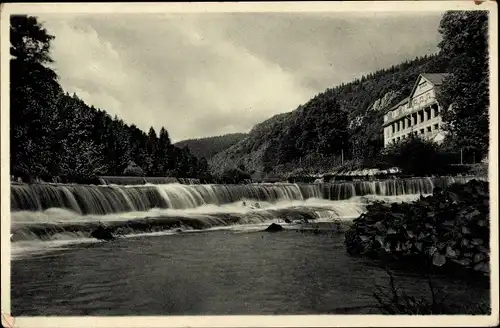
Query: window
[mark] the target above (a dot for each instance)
(409, 121)
(436, 111)
(415, 133)
(399, 138)
(421, 131)
(436, 126)
(415, 120)
(428, 129)
(403, 124)
(393, 128)
(428, 112)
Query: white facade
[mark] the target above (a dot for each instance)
(419, 114)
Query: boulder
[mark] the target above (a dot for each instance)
(274, 228)
(103, 233)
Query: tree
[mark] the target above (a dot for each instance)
(161, 156)
(151, 148)
(465, 93)
(33, 100)
(80, 155)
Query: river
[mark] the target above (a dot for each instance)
(198, 249)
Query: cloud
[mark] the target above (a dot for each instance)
(208, 74)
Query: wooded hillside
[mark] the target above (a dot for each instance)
(208, 147)
(342, 126)
(342, 121)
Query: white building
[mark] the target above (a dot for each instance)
(418, 114)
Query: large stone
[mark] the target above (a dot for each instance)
(274, 228)
(102, 233)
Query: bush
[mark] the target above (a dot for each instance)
(133, 170)
(450, 227)
(415, 156)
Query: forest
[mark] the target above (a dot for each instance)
(54, 134)
(57, 136)
(342, 126)
(208, 147)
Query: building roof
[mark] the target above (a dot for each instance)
(435, 78)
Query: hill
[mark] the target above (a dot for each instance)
(208, 147)
(341, 124)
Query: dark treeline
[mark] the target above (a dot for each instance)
(342, 126)
(54, 134)
(208, 147)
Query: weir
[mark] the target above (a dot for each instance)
(108, 199)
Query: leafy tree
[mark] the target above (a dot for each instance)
(415, 156)
(466, 90)
(34, 95)
(80, 155)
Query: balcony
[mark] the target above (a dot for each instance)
(406, 110)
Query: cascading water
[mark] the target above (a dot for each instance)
(90, 199)
(56, 211)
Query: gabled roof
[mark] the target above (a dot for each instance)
(434, 78)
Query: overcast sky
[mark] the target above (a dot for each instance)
(210, 74)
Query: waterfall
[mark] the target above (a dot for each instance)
(107, 199)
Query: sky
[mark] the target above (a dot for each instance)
(207, 74)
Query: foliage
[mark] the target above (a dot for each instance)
(415, 156)
(449, 227)
(133, 170)
(34, 96)
(208, 147)
(55, 134)
(465, 46)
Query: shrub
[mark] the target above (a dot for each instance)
(133, 170)
(415, 156)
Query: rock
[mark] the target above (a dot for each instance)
(274, 228)
(103, 233)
